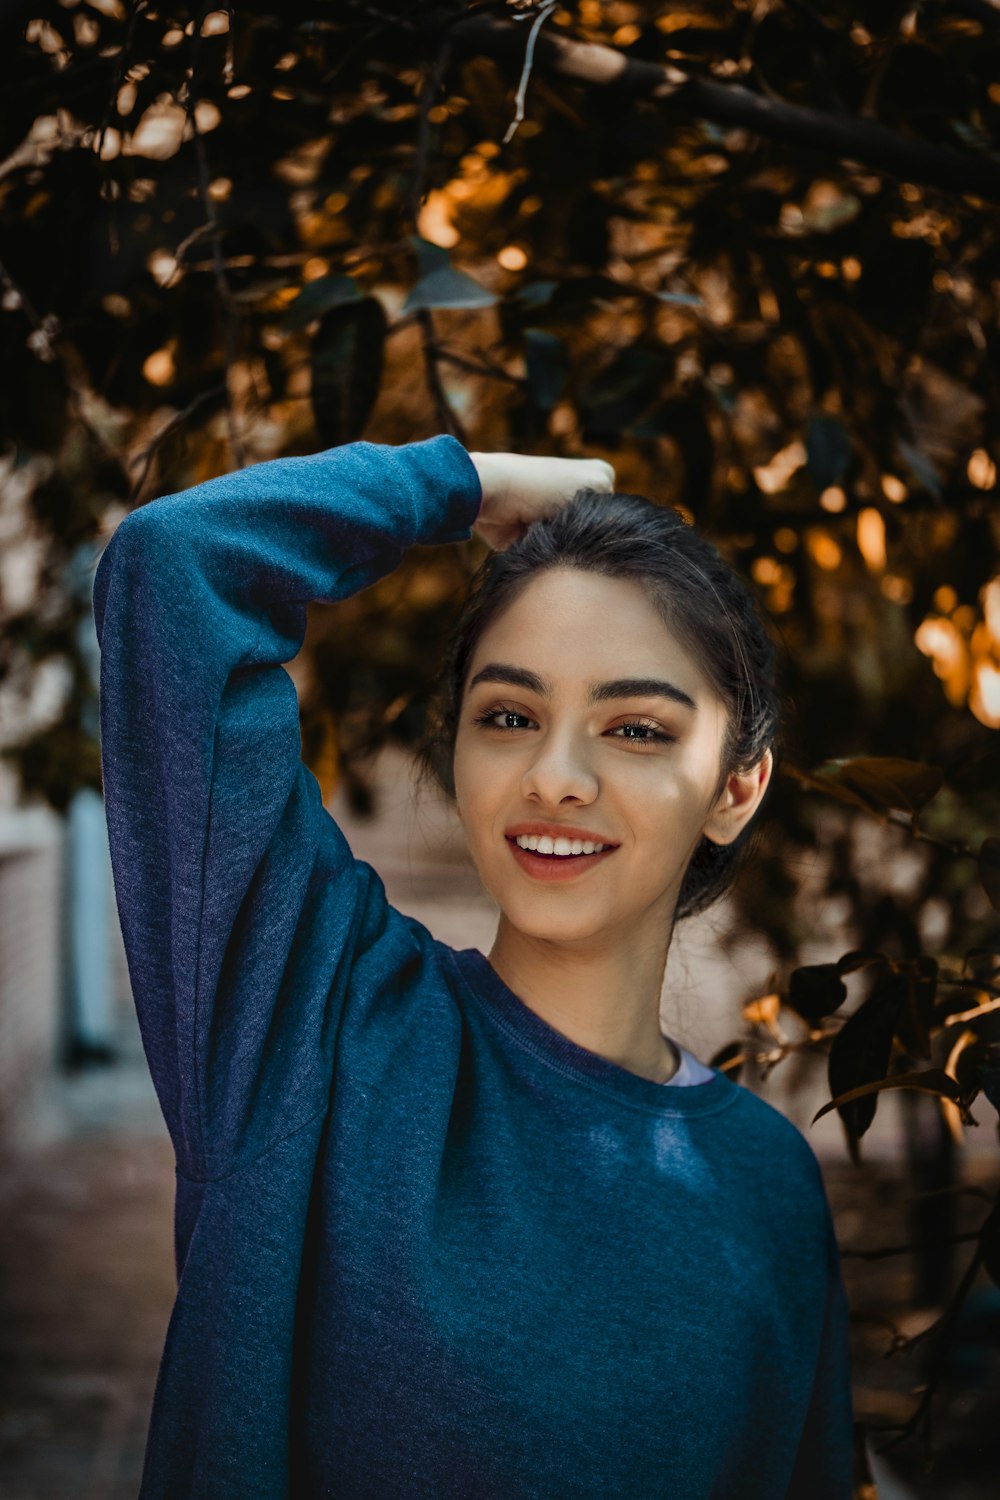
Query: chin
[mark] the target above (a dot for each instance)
(530, 918)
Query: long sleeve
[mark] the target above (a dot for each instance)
(824, 1465)
(221, 847)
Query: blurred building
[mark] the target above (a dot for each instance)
(63, 976)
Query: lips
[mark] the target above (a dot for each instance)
(557, 867)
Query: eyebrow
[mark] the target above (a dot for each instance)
(600, 692)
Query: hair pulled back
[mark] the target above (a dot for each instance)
(704, 602)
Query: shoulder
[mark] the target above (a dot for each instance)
(775, 1153)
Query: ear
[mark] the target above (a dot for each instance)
(738, 801)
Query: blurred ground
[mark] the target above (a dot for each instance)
(86, 1284)
(86, 1264)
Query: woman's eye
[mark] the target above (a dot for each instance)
(644, 734)
(636, 732)
(491, 715)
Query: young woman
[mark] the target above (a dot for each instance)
(450, 1225)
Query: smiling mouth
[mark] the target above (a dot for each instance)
(556, 866)
(594, 854)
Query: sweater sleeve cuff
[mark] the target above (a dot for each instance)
(444, 489)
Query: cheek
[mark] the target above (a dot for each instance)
(675, 803)
(473, 781)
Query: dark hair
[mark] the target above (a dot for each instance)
(696, 592)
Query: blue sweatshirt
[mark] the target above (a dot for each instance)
(428, 1248)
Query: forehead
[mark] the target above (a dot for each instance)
(569, 625)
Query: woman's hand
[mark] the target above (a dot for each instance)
(520, 487)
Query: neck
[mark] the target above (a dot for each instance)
(606, 999)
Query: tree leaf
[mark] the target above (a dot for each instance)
(317, 297)
(857, 958)
(816, 990)
(430, 257)
(447, 287)
(972, 775)
(991, 1243)
(829, 451)
(917, 1015)
(921, 468)
(614, 398)
(547, 359)
(861, 1051)
(926, 1081)
(346, 357)
(535, 293)
(989, 869)
(683, 299)
(884, 783)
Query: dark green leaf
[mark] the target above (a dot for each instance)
(317, 297)
(917, 1015)
(921, 468)
(614, 398)
(829, 451)
(548, 365)
(884, 783)
(989, 869)
(535, 293)
(975, 774)
(927, 1081)
(815, 991)
(683, 299)
(857, 958)
(346, 356)
(430, 257)
(447, 287)
(991, 1244)
(861, 1051)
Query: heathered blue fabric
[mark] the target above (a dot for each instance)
(427, 1247)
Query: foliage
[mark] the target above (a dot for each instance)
(747, 252)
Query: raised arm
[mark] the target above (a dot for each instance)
(221, 847)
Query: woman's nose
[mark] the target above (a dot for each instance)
(558, 769)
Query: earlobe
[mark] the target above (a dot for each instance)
(740, 799)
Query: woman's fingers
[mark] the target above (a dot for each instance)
(518, 488)
(608, 471)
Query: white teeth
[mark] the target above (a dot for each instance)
(542, 844)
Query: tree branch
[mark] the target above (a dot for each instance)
(522, 88)
(945, 1327)
(953, 1239)
(447, 416)
(865, 142)
(483, 366)
(48, 345)
(177, 420)
(212, 217)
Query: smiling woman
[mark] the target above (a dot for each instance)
(450, 1225)
(674, 759)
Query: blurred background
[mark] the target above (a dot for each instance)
(747, 252)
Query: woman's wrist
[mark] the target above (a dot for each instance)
(486, 471)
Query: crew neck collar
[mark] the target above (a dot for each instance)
(568, 1057)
